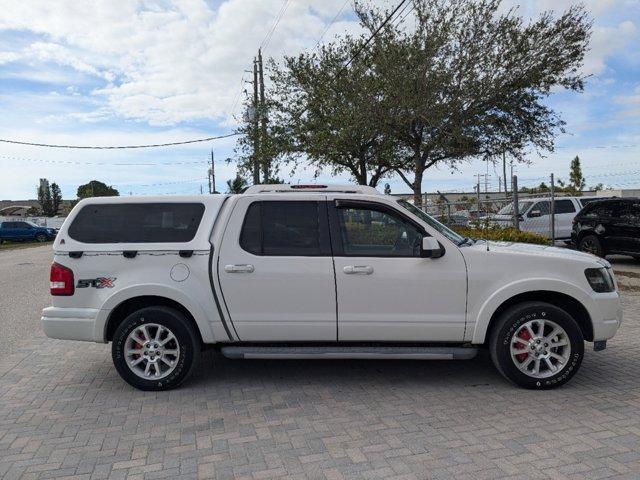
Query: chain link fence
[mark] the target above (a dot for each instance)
(548, 215)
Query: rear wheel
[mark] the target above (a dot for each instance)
(155, 348)
(591, 244)
(537, 345)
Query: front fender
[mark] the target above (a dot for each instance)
(155, 290)
(482, 317)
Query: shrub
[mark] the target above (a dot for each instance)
(497, 233)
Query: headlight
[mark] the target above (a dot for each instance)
(600, 280)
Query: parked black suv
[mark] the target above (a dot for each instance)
(608, 226)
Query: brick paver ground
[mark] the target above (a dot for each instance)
(65, 413)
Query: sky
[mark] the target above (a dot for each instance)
(105, 72)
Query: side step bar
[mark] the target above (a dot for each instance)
(331, 352)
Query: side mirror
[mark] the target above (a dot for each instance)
(431, 248)
(534, 213)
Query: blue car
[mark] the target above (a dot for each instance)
(20, 231)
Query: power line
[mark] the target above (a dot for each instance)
(373, 35)
(118, 164)
(267, 39)
(324, 32)
(119, 147)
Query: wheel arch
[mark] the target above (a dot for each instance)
(561, 300)
(130, 305)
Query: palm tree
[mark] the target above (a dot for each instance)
(237, 185)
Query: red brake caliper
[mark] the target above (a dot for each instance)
(525, 335)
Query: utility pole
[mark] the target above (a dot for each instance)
(516, 205)
(504, 171)
(256, 140)
(553, 212)
(266, 162)
(211, 174)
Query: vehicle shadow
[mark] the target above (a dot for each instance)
(216, 370)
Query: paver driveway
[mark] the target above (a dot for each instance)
(64, 412)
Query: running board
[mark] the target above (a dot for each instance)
(315, 352)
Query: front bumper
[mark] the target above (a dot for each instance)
(70, 323)
(607, 316)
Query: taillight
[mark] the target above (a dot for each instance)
(61, 280)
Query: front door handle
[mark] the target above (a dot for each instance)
(241, 268)
(358, 269)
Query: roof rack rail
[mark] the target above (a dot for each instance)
(306, 188)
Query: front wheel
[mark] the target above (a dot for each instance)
(41, 237)
(591, 244)
(537, 345)
(155, 348)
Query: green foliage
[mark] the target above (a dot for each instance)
(497, 233)
(237, 185)
(96, 188)
(44, 198)
(330, 113)
(576, 179)
(477, 86)
(49, 198)
(56, 197)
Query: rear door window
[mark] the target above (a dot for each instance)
(137, 223)
(564, 206)
(286, 228)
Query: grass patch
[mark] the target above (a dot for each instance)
(15, 245)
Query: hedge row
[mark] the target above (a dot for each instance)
(509, 234)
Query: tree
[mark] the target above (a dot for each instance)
(328, 112)
(237, 185)
(576, 179)
(96, 188)
(56, 198)
(468, 81)
(44, 199)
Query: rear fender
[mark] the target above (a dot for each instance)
(156, 290)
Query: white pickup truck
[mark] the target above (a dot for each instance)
(316, 272)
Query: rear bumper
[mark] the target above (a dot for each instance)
(70, 323)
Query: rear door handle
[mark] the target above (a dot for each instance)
(240, 268)
(358, 269)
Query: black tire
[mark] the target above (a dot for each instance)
(510, 323)
(591, 244)
(41, 237)
(186, 337)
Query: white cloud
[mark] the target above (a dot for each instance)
(165, 62)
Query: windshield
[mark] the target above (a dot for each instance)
(32, 224)
(432, 222)
(508, 209)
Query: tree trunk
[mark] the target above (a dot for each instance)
(362, 180)
(417, 189)
(417, 180)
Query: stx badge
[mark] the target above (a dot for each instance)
(100, 282)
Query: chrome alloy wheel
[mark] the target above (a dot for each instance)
(540, 348)
(152, 351)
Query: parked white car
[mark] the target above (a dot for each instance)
(535, 215)
(316, 272)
